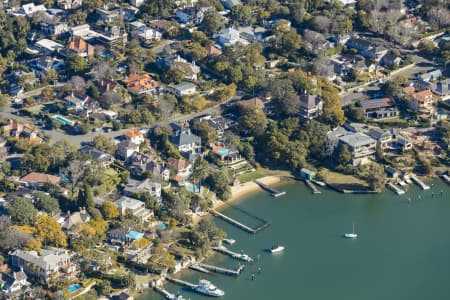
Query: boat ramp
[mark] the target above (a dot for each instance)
(313, 188)
(396, 189)
(446, 178)
(274, 192)
(236, 255)
(221, 270)
(420, 183)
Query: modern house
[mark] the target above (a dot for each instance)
(184, 89)
(390, 140)
(136, 208)
(54, 28)
(46, 265)
(381, 108)
(133, 188)
(361, 146)
(142, 31)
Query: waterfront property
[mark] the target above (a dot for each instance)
(361, 146)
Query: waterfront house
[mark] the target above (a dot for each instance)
(134, 207)
(307, 174)
(185, 141)
(361, 146)
(48, 264)
(12, 286)
(38, 180)
(142, 83)
(381, 108)
(133, 188)
(390, 140)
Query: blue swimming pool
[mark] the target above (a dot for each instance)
(192, 187)
(163, 226)
(63, 120)
(74, 287)
(224, 151)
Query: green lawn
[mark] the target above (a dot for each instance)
(339, 179)
(261, 172)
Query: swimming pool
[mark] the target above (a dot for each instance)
(63, 120)
(162, 226)
(74, 287)
(224, 151)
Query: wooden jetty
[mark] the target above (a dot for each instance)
(197, 267)
(420, 182)
(181, 282)
(166, 294)
(312, 187)
(225, 271)
(235, 255)
(274, 192)
(446, 178)
(232, 221)
(319, 183)
(395, 188)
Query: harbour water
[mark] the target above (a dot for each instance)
(402, 252)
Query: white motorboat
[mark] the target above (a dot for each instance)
(244, 257)
(229, 241)
(402, 183)
(207, 288)
(276, 249)
(352, 235)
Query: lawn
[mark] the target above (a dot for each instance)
(341, 179)
(261, 172)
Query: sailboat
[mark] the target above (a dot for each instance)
(351, 235)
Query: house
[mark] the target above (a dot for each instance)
(192, 15)
(84, 31)
(142, 31)
(184, 89)
(251, 34)
(311, 106)
(112, 37)
(105, 85)
(213, 51)
(142, 83)
(76, 218)
(134, 207)
(47, 46)
(18, 130)
(46, 265)
(134, 136)
(346, 3)
(69, 4)
(390, 140)
(126, 148)
(137, 3)
(134, 187)
(54, 28)
(185, 141)
(140, 164)
(107, 15)
(367, 49)
(422, 103)
(361, 146)
(105, 159)
(30, 9)
(381, 108)
(440, 88)
(81, 103)
(229, 4)
(361, 65)
(430, 76)
(13, 285)
(37, 180)
(123, 235)
(123, 295)
(391, 61)
(79, 46)
(189, 69)
(180, 168)
(46, 63)
(229, 36)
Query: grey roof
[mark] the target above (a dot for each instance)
(309, 101)
(95, 154)
(184, 86)
(432, 75)
(357, 139)
(47, 259)
(185, 137)
(377, 133)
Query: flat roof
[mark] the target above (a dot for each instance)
(357, 139)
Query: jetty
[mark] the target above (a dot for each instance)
(319, 183)
(197, 267)
(274, 192)
(221, 270)
(181, 282)
(446, 178)
(395, 188)
(235, 255)
(166, 294)
(420, 183)
(312, 187)
(232, 221)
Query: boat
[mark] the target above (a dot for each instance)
(276, 249)
(243, 257)
(229, 241)
(402, 183)
(351, 235)
(175, 297)
(407, 179)
(207, 288)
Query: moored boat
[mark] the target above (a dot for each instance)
(276, 249)
(207, 288)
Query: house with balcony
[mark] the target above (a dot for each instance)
(361, 146)
(186, 142)
(134, 187)
(78, 46)
(141, 83)
(142, 31)
(54, 28)
(390, 140)
(46, 265)
(134, 136)
(423, 103)
(310, 106)
(134, 207)
(381, 108)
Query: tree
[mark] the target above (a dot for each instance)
(75, 171)
(376, 177)
(75, 64)
(284, 96)
(252, 120)
(212, 22)
(109, 210)
(46, 203)
(242, 14)
(77, 83)
(219, 182)
(85, 197)
(343, 156)
(206, 133)
(47, 94)
(22, 211)
(199, 171)
(104, 143)
(49, 231)
(332, 109)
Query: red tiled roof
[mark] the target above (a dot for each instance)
(40, 178)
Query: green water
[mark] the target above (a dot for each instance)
(403, 249)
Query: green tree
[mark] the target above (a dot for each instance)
(219, 182)
(46, 203)
(75, 65)
(109, 210)
(104, 143)
(242, 14)
(343, 156)
(86, 197)
(332, 109)
(212, 22)
(47, 94)
(252, 120)
(22, 211)
(200, 171)
(206, 132)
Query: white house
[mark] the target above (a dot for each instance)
(30, 8)
(134, 136)
(126, 148)
(140, 30)
(127, 205)
(229, 36)
(184, 89)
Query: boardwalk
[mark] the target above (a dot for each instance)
(235, 255)
(225, 271)
(232, 221)
(181, 282)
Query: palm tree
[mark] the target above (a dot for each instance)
(199, 172)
